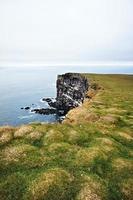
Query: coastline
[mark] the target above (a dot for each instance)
(89, 153)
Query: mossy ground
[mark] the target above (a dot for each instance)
(87, 157)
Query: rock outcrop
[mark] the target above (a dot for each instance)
(44, 111)
(71, 90)
(51, 102)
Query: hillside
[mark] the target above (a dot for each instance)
(87, 157)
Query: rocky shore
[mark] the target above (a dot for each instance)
(87, 157)
(71, 91)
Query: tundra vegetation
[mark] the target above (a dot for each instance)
(87, 157)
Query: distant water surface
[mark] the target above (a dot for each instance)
(21, 86)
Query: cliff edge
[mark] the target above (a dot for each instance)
(71, 91)
(88, 156)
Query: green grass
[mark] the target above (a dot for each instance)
(87, 157)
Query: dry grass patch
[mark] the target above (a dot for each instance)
(53, 136)
(125, 136)
(106, 145)
(92, 189)
(127, 189)
(131, 153)
(109, 119)
(72, 135)
(91, 117)
(50, 185)
(105, 141)
(86, 156)
(35, 135)
(6, 134)
(5, 137)
(87, 193)
(119, 164)
(22, 131)
(115, 110)
(98, 102)
(75, 116)
(91, 93)
(60, 148)
(6, 129)
(15, 153)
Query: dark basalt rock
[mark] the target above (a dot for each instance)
(47, 100)
(71, 90)
(26, 108)
(50, 102)
(44, 111)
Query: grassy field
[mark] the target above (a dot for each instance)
(87, 157)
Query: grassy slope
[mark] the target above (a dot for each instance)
(88, 157)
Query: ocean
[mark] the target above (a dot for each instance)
(26, 86)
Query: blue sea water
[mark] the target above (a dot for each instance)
(24, 86)
(20, 87)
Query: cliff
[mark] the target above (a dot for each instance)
(71, 90)
(88, 157)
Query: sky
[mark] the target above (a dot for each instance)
(61, 32)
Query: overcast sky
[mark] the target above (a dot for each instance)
(66, 31)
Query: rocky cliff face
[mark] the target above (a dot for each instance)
(71, 90)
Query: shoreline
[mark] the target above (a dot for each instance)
(72, 110)
(89, 153)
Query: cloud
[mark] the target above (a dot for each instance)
(61, 31)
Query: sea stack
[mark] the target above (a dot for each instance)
(71, 91)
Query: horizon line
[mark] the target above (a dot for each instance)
(59, 64)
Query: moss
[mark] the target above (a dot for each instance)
(13, 187)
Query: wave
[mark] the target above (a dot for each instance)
(25, 116)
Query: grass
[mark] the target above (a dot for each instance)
(87, 157)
